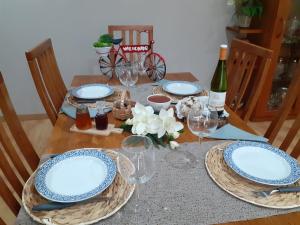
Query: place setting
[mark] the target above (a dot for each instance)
(89, 95)
(79, 186)
(255, 172)
(177, 90)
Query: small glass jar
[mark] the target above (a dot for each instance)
(83, 120)
(101, 119)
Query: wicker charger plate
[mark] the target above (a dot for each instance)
(242, 188)
(109, 100)
(175, 98)
(87, 212)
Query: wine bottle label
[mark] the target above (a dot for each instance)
(217, 100)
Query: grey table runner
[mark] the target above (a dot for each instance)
(182, 196)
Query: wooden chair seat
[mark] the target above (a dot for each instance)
(8, 152)
(47, 78)
(245, 61)
(291, 97)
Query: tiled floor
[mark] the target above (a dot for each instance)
(39, 131)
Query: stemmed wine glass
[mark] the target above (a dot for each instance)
(129, 74)
(139, 64)
(202, 121)
(136, 162)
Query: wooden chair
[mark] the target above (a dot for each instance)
(244, 62)
(291, 97)
(8, 151)
(132, 35)
(47, 78)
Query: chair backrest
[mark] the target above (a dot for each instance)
(133, 32)
(245, 61)
(47, 78)
(291, 97)
(132, 35)
(8, 152)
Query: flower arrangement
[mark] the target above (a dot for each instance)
(163, 128)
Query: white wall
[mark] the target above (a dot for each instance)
(187, 34)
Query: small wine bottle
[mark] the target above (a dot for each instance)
(218, 86)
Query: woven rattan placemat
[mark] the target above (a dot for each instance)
(242, 188)
(87, 212)
(175, 98)
(110, 99)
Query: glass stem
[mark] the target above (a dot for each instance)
(137, 189)
(200, 140)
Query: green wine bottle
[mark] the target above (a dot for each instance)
(218, 85)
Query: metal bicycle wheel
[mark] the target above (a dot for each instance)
(155, 66)
(108, 68)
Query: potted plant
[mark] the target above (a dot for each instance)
(246, 9)
(104, 43)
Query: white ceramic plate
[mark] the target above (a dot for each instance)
(262, 163)
(92, 91)
(75, 175)
(182, 88)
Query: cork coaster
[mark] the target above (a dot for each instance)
(175, 98)
(86, 212)
(242, 188)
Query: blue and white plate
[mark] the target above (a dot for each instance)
(182, 88)
(75, 175)
(92, 91)
(262, 163)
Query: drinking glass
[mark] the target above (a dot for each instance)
(129, 74)
(136, 163)
(202, 122)
(83, 120)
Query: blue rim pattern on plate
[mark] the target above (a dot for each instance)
(75, 94)
(165, 88)
(295, 169)
(42, 189)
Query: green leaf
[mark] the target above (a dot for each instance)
(154, 141)
(126, 127)
(106, 38)
(181, 131)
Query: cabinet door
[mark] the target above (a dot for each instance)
(275, 23)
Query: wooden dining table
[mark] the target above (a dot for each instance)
(62, 140)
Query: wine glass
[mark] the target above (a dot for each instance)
(139, 64)
(202, 121)
(128, 75)
(136, 162)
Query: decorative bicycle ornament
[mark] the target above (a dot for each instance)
(152, 63)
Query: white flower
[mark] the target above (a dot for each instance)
(129, 122)
(170, 125)
(175, 135)
(174, 144)
(144, 120)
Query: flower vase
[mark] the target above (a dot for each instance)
(244, 21)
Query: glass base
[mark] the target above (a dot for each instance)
(181, 159)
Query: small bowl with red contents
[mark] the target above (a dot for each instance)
(159, 102)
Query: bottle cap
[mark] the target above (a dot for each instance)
(223, 52)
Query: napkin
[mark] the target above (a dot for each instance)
(70, 111)
(230, 132)
(162, 82)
